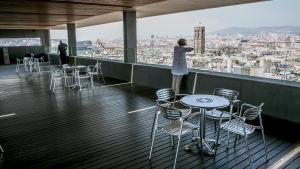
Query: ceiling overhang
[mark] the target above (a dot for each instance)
(45, 14)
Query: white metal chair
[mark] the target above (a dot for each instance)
(26, 63)
(83, 73)
(229, 94)
(168, 96)
(238, 124)
(96, 70)
(36, 65)
(32, 63)
(19, 63)
(55, 76)
(68, 74)
(176, 125)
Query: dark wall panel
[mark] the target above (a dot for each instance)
(160, 77)
(116, 70)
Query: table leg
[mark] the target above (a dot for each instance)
(201, 139)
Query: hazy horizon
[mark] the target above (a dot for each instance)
(275, 13)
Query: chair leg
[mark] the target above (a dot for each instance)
(266, 151)
(178, 144)
(79, 84)
(228, 136)
(153, 138)
(235, 140)
(154, 120)
(217, 141)
(92, 81)
(65, 81)
(101, 73)
(248, 150)
(215, 123)
(51, 82)
(172, 140)
(54, 83)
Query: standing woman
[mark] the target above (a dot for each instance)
(179, 66)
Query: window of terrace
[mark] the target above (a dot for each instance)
(8, 42)
(101, 41)
(237, 39)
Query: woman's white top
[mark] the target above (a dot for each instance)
(179, 66)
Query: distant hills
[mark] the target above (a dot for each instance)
(248, 31)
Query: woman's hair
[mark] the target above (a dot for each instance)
(182, 42)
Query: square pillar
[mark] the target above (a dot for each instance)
(130, 37)
(72, 39)
(47, 42)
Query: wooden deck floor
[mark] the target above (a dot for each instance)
(72, 129)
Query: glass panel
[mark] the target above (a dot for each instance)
(101, 41)
(55, 37)
(5, 42)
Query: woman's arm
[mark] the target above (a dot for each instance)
(188, 49)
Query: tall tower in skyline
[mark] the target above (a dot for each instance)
(199, 39)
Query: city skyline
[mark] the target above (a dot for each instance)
(270, 13)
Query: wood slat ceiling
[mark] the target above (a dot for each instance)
(46, 13)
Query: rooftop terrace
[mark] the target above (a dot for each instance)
(110, 126)
(93, 129)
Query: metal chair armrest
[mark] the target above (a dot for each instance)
(158, 101)
(239, 117)
(232, 115)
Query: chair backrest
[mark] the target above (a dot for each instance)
(82, 70)
(229, 94)
(170, 113)
(165, 94)
(252, 112)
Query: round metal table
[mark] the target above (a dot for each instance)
(204, 102)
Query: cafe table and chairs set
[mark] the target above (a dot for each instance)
(222, 107)
(75, 76)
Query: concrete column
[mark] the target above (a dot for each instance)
(130, 37)
(47, 43)
(72, 39)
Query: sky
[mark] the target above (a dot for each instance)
(270, 13)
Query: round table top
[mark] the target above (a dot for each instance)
(74, 67)
(204, 101)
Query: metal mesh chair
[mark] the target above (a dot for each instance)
(239, 125)
(19, 63)
(68, 74)
(168, 97)
(81, 73)
(177, 126)
(56, 74)
(96, 70)
(34, 64)
(229, 94)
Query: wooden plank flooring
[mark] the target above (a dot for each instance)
(92, 129)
